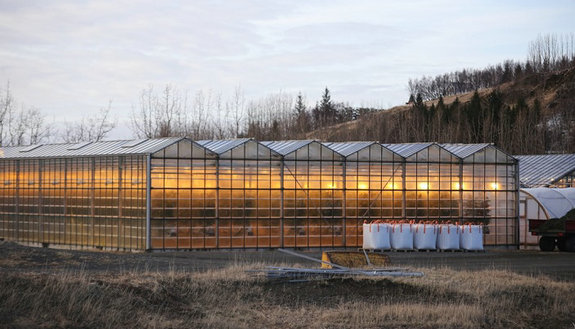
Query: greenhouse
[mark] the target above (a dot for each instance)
(175, 193)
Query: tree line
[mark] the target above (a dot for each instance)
(172, 112)
(546, 54)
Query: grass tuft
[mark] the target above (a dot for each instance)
(233, 298)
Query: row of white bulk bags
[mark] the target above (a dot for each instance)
(404, 236)
(455, 237)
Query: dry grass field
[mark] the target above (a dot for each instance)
(52, 296)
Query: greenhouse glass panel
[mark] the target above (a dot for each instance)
(491, 175)
(183, 197)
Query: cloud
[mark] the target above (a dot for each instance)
(72, 57)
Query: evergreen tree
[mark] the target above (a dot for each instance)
(493, 123)
(326, 100)
(419, 101)
(325, 112)
(420, 124)
(443, 111)
(302, 120)
(299, 105)
(474, 113)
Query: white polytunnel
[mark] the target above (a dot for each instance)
(556, 201)
(542, 203)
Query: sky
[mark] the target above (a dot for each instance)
(72, 58)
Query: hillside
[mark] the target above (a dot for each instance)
(531, 115)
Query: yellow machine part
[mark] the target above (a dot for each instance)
(353, 259)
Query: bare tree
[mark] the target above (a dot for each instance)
(20, 126)
(220, 121)
(198, 118)
(38, 131)
(27, 126)
(160, 115)
(93, 128)
(6, 112)
(551, 51)
(236, 109)
(270, 117)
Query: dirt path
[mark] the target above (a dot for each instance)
(14, 257)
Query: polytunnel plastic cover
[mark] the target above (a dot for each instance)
(556, 201)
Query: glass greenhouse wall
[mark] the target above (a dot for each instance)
(95, 202)
(176, 193)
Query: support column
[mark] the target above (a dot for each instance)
(517, 188)
(148, 202)
(282, 220)
(461, 191)
(403, 190)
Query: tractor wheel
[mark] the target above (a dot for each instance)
(547, 243)
(562, 243)
(570, 243)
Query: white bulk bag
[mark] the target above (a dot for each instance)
(471, 237)
(448, 237)
(425, 236)
(376, 236)
(402, 236)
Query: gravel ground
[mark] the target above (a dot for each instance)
(15, 257)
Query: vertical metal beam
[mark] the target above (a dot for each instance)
(403, 189)
(217, 233)
(40, 216)
(282, 220)
(65, 201)
(517, 187)
(343, 206)
(92, 195)
(120, 204)
(148, 202)
(120, 182)
(461, 191)
(17, 217)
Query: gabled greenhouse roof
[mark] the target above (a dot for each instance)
(533, 168)
(286, 147)
(544, 170)
(407, 149)
(348, 148)
(222, 146)
(83, 149)
(464, 150)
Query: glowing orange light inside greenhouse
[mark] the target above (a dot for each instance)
(331, 185)
(423, 186)
(362, 186)
(494, 186)
(456, 186)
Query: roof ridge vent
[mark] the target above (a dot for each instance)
(78, 146)
(134, 142)
(31, 147)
